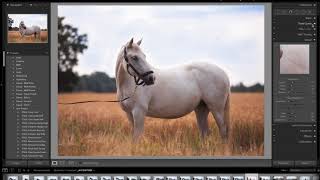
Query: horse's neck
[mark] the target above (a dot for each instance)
(21, 29)
(124, 82)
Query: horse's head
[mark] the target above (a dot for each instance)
(22, 25)
(135, 62)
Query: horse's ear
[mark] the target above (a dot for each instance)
(125, 51)
(130, 42)
(139, 42)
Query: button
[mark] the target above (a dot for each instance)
(224, 177)
(132, 178)
(78, 177)
(304, 177)
(54, 163)
(212, 178)
(38, 163)
(25, 177)
(12, 177)
(172, 178)
(283, 163)
(158, 178)
(251, 176)
(92, 177)
(118, 178)
(198, 178)
(16, 163)
(305, 163)
(264, 178)
(278, 178)
(105, 178)
(238, 178)
(315, 177)
(185, 178)
(65, 178)
(71, 163)
(52, 178)
(38, 178)
(291, 178)
(145, 177)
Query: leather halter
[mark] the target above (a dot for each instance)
(139, 78)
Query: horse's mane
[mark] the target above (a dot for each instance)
(118, 61)
(119, 79)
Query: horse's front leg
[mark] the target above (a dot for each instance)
(130, 118)
(22, 35)
(138, 123)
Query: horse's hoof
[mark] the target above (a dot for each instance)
(136, 139)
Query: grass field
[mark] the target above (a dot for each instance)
(102, 129)
(15, 37)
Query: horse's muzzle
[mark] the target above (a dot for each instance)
(149, 79)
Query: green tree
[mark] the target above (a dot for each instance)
(10, 22)
(96, 82)
(70, 44)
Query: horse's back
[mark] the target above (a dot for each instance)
(36, 29)
(204, 71)
(178, 90)
(212, 81)
(33, 29)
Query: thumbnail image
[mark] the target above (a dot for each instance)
(27, 28)
(278, 178)
(264, 178)
(187, 81)
(292, 178)
(294, 59)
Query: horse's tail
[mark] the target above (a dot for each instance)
(227, 114)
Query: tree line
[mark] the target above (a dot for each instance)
(101, 82)
(242, 88)
(96, 82)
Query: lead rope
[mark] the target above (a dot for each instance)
(80, 102)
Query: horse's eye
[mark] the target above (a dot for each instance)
(135, 58)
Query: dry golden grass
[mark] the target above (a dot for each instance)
(15, 37)
(102, 129)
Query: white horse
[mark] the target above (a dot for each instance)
(28, 31)
(171, 93)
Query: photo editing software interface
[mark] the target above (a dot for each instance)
(132, 91)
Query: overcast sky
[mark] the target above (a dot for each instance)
(231, 36)
(29, 20)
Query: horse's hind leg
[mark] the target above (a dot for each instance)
(223, 126)
(202, 112)
(39, 36)
(219, 106)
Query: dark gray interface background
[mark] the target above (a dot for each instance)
(290, 121)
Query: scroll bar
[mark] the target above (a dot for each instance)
(3, 65)
(3, 58)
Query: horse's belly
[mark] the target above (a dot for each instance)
(28, 33)
(174, 104)
(170, 113)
